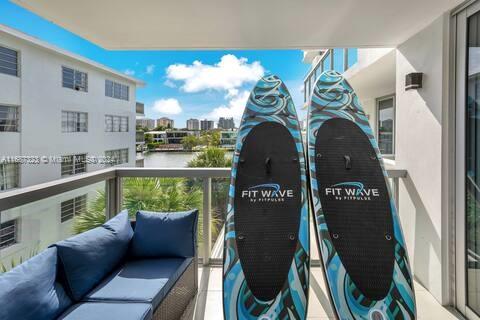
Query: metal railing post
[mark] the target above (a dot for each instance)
(113, 197)
(396, 183)
(207, 231)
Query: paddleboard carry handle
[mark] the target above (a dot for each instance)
(268, 165)
(348, 162)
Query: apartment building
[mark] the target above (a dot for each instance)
(89, 110)
(60, 115)
(140, 136)
(206, 124)
(226, 123)
(193, 124)
(165, 122)
(146, 123)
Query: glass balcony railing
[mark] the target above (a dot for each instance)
(34, 217)
(338, 59)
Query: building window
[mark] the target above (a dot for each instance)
(117, 156)
(73, 207)
(9, 177)
(9, 119)
(386, 125)
(116, 123)
(8, 61)
(8, 233)
(74, 164)
(74, 79)
(116, 90)
(74, 121)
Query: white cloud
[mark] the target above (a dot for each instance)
(170, 83)
(167, 106)
(129, 72)
(150, 69)
(234, 108)
(229, 73)
(231, 93)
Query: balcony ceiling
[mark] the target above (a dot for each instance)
(246, 24)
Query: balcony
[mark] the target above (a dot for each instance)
(34, 211)
(140, 109)
(140, 137)
(330, 59)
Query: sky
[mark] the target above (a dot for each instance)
(180, 84)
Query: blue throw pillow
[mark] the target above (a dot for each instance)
(29, 291)
(90, 256)
(120, 225)
(165, 234)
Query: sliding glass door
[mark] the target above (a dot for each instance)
(467, 79)
(472, 164)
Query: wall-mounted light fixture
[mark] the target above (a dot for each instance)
(413, 80)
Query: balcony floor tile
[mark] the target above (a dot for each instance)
(209, 299)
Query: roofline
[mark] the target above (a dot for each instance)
(44, 45)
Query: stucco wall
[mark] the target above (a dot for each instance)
(419, 150)
(41, 98)
(373, 77)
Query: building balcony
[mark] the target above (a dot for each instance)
(41, 218)
(140, 109)
(140, 137)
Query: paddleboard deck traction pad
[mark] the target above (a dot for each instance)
(357, 226)
(266, 245)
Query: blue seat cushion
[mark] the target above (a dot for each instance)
(29, 291)
(165, 234)
(103, 311)
(89, 257)
(147, 280)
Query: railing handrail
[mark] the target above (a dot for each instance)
(174, 172)
(310, 72)
(16, 197)
(21, 196)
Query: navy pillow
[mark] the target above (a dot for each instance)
(90, 256)
(165, 234)
(29, 291)
(120, 225)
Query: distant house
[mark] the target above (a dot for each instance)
(171, 136)
(228, 138)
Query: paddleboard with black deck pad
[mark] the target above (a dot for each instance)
(358, 229)
(266, 248)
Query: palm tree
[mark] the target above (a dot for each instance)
(93, 216)
(211, 157)
(151, 194)
(214, 157)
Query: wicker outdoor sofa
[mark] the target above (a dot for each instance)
(121, 270)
